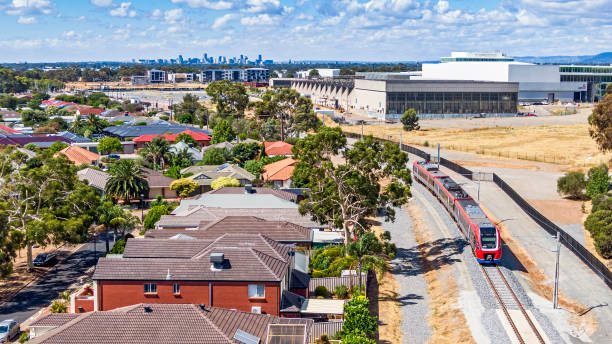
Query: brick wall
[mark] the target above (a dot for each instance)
(231, 295)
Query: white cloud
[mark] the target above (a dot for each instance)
(263, 6)
(222, 21)
(27, 20)
(262, 19)
(211, 42)
(212, 5)
(81, 19)
(102, 3)
(331, 21)
(173, 16)
(123, 10)
(71, 34)
(23, 7)
(442, 6)
(157, 13)
(21, 44)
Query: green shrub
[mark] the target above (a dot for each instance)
(344, 263)
(321, 291)
(599, 224)
(572, 185)
(25, 336)
(356, 291)
(324, 339)
(598, 182)
(426, 143)
(164, 118)
(318, 274)
(118, 247)
(341, 291)
(603, 202)
(154, 214)
(65, 295)
(58, 306)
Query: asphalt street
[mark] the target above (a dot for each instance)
(40, 294)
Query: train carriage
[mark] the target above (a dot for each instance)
(481, 233)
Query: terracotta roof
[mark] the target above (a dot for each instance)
(249, 257)
(157, 179)
(281, 170)
(157, 324)
(281, 231)
(95, 178)
(278, 148)
(54, 319)
(289, 196)
(171, 137)
(160, 323)
(80, 155)
(8, 130)
(198, 215)
(87, 110)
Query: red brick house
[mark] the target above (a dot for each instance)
(247, 272)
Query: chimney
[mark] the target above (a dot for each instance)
(248, 188)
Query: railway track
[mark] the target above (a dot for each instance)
(511, 306)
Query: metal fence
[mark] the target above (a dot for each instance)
(587, 257)
(329, 328)
(332, 282)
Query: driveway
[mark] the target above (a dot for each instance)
(40, 294)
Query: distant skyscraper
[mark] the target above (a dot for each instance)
(180, 59)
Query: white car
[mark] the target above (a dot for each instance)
(8, 329)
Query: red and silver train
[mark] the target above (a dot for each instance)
(480, 231)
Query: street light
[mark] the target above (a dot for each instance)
(142, 207)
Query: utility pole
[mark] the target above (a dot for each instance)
(556, 291)
(362, 130)
(478, 186)
(400, 143)
(438, 156)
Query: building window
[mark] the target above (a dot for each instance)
(150, 288)
(177, 288)
(257, 291)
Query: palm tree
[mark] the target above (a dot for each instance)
(126, 181)
(107, 212)
(368, 251)
(182, 158)
(94, 122)
(77, 125)
(157, 151)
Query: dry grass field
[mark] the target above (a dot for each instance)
(82, 85)
(560, 144)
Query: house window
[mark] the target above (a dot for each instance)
(257, 291)
(150, 288)
(177, 288)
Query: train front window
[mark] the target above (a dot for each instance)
(487, 237)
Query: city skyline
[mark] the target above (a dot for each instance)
(280, 30)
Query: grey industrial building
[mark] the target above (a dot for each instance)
(388, 95)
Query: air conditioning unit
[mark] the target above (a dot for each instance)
(256, 309)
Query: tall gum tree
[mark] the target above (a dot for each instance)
(349, 184)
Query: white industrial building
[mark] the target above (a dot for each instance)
(323, 73)
(536, 82)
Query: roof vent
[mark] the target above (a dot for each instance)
(148, 309)
(217, 258)
(248, 188)
(168, 275)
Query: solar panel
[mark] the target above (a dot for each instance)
(286, 333)
(246, 338)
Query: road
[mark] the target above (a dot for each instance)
(40, 294)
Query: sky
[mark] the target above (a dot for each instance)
(345, 30)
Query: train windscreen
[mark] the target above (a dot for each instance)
(487, 237)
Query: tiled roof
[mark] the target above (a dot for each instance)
(6, 114)
(254, 201)
(87, 110)
(157, 128)
(198, 136)
(226, 145)
(205, 175)
(195, 153)
(8, 130)
(79, 155)
(73, 137)
(95, 178)
(278, 148)
(22, 140)
(54, 319)
(281, 170)
(249, 257)
(157, 179)
(240, 190)
(163, 323)
(195, 216)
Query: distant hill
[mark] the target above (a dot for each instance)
(603, 58)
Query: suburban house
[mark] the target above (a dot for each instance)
(157, 128)
(222, 145)
(247, 272)
(40, 141)
(73, 137)
(155, 323)
(195, 153)
(280, 231)
(159, 184)
(55, 103)
(129, 147)
(279, 173)
(95, 178)
(233, 201)
(10, 116)
(7, 130)
(205, 175)
(86, 110)
(80, 156)
(278, 148)
(280, 193)
(201, 139)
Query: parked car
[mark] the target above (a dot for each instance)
(44, 259)
(531, 115)
(8, 329)
(114, 156)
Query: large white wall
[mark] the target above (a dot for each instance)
(485, 71)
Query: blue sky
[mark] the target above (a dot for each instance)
(366, 30)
